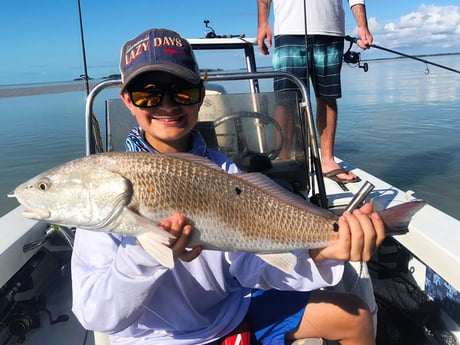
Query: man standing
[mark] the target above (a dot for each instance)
(321, 51)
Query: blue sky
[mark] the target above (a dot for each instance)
(40, 40)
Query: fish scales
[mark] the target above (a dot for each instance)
(228, 212)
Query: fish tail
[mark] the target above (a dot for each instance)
(397, 218)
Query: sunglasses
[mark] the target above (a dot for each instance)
(151, 95)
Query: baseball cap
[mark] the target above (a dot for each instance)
(158, 50)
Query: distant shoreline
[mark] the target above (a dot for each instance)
(39, 89)
(22, 90)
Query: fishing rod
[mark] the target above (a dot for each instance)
(85, 76)
(355, 40)
(96, 139)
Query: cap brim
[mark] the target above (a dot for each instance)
(174, 69)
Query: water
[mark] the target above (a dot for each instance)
(39, 132)
(402, 125)
(395, 122)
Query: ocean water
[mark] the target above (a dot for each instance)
(402, 125)
(395, 121)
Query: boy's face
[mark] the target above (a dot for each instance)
(167, 110)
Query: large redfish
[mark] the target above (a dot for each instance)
(129, 193)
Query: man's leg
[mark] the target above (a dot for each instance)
(326, 124)
(325, 64)
(284, 116)
(289, 56)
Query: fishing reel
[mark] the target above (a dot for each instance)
(19, 317)
(212, 33)
(353, 58)
(25, 316)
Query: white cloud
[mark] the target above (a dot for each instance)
(427, 30)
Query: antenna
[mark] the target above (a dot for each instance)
(211, 33)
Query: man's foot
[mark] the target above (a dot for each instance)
(341, 175)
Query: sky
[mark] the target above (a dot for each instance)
(40, 40)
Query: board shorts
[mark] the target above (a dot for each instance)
(273, 313)
(324, 55)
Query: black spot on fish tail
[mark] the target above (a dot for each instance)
(238, 190)
(397, 218)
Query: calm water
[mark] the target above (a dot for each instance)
(395, 121)
(402, 125)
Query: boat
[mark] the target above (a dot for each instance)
(412, 283)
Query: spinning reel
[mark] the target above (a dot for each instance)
(353, 58)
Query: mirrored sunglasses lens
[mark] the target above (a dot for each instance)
(145, 99)
(187, 96)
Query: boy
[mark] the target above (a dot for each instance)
(119, 289)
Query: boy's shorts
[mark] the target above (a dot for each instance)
(325, 55)
(274, 313)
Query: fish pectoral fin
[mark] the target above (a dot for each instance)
(153, 238)
(283, 261)
(152, 244)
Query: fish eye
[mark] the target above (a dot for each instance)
(44, 185)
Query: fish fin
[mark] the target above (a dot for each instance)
(194, 159)
(152, 244)
(282, 261)
(154, 241)
(269, 186)
(397, 218)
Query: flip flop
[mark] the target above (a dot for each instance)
(332, 175)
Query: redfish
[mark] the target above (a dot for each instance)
(130, 193)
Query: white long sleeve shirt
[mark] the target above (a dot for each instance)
(324, 17)
(118, 288)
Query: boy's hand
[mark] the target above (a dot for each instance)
(360, 234)
(180, 227)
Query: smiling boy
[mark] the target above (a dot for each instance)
(118, 288)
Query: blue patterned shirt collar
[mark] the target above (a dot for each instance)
(135, 142)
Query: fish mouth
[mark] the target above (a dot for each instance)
(38, 213)
(31, 212)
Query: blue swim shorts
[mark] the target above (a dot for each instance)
(324, 58)
(274, 313)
